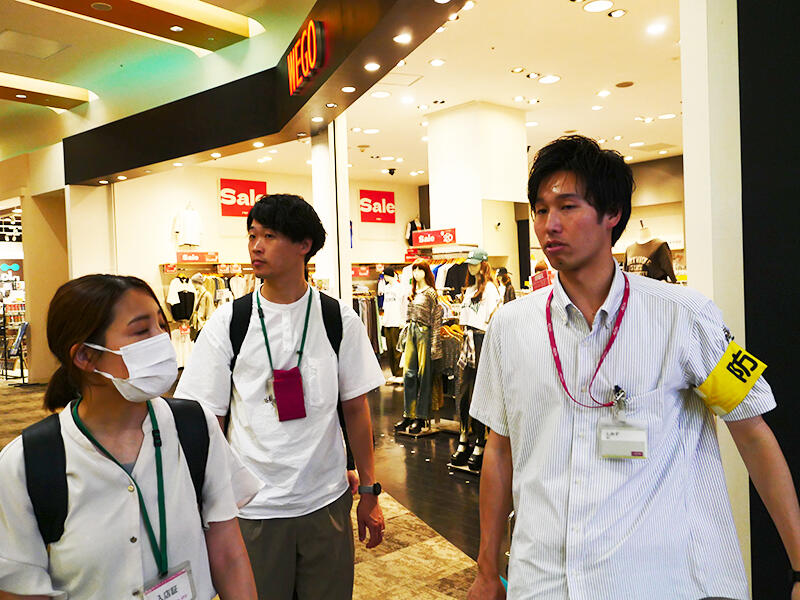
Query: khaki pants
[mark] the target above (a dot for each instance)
(304, 558)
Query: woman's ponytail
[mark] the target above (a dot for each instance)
(60, 390)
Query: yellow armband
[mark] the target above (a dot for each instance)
(731, 380)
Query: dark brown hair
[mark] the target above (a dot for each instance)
(81, 311)
(421, 263)
(509, 294)
(483, 277)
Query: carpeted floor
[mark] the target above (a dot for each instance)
(20, 406)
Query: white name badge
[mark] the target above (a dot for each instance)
(177, 585)
(618, 439)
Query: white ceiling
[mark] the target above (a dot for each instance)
(591, 52)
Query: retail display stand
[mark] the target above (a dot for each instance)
(14, 339)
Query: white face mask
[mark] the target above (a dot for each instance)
(152, 368)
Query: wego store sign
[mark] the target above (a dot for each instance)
(237, 196)
(306, 56)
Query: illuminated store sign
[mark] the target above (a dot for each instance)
(306, 56)
(434, 237)
(237, 196)
(377, 207)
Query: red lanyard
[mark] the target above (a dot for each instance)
(622, 308)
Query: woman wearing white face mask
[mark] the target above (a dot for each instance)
(133, 526)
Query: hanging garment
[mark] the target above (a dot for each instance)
(203, 309)
(412, 226)
(456, 277)
(238, 286)
(180, 298)
(188, 227)
(181, 338)
(465, 385)
(652, 259)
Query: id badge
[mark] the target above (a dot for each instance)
(178, 584)
(621, 439)
(288, 393)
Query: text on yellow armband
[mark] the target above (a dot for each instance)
(731, 380)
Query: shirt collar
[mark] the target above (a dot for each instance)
(563, 307)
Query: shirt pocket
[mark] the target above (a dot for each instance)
(648, 410)
(320, 383)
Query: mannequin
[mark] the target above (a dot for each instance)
(650, 257)
(203, 305)
(394, 312)
(481, 300)
(422, 347)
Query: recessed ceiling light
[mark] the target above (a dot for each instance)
(597, 107)
(21, 96)
(601, 141)
(407, 99)
(102, 6)
(628, 158)
(423, 107)
(273, 151)
(453, 17)
(549, 79)
(258, 144)
(215, 155)
(381, 95)
(308, 162)
(372, 66)
(121, 177)
(349, 166)
(531, 124)
(399, 159)
(624, 84)
(176, 28)
(534, 101)
(401, 63)
(598, 6)
(420, 171)
(148, 171)
(264, 159)
(103, 181)
(617, 138)
(356, 130)
(636, 144)
(519, 98)
(384, 171)
(424, 138)
(387, 157)
(317, 119)
(177, 164)
(616, 14)
(656, 28)
(533, 75)
(413, 173)
(517, 69)
(424, 123)
(667, 116)
(440, 29)
(348, 89)
(648, 119)
(331, 105)
(604, 93)
(301, 134)
(662, 151)
(468, 5)
(439, 101)
(441, 1)
(403, 38)
(372, 131)
(436, 62)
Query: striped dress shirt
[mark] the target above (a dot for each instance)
(591, 528)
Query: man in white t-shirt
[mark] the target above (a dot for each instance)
(286, 386)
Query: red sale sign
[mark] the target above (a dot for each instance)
(434, 237)
(237, 196)
(376, 207)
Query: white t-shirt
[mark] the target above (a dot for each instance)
(302, 462)
(104, 552)
(477, 315)
(188, 227)
(394, 305)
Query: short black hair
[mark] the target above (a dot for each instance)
(606, 177)
(291, 216)
(388, 271)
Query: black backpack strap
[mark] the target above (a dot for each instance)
(240, 321)
(332, 319)
(46, 476)
(190, 421)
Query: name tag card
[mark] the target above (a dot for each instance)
(177, 585)
(616, 439)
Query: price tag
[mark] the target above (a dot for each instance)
(177, 585)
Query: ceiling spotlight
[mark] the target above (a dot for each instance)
(356, 130)
(617, 138)
(387, 157)
(598, 6)
(176, 28)
(103, 181)
(519, 98)
(549, 79)
(215, 155)
(533, 75)
(636, 144)
(258, 144)
(384, 171)
(420, 171)
(436, 62)
(424, 123)
(302, 134)
(628, 158)
(403, 38)
(348, 89)
(317, 119)
(604, 93)
(372, 66)
(517, 69)
(407, 99)
(264, 159)
(616, 14)
(101, 6)
(380, 94)
(453, 17)
(331, 105)
(308, 162)
(401, 63)
(439, 101)
(440, 29)
(399, 159)
(441, 1)
(273, 151)
(601, 141)
(648, 119)
(349, 165)
(177, 164)
(413, 173)
(531, 124)
(534, 101)
(372, 131)
(423, 107)
(424, 138)
(121, 177)
(667, 116)
(656, 28)
(597, 107)
(468, 5)
(21, 96)
(662, 151)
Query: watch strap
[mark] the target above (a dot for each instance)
(794, 576)
(374, 489)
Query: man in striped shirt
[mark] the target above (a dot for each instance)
(600, 393)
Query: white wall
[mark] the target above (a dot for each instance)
(90, 230)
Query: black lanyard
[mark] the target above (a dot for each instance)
(264, 329)
(159, 554)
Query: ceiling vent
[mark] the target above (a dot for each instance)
(29, 45)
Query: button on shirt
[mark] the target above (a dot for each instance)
(302, 461)
(589, 527)
(104, 552)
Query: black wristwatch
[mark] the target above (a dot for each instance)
(374, 489)
(794, 576)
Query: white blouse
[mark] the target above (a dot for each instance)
(477, 314)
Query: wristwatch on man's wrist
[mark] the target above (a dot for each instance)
(373, 489)
(794, 576)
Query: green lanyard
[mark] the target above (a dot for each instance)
(264, 329)
(159, 554)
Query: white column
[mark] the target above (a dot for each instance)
(713, 191)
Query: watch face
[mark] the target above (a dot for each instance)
(377, 488)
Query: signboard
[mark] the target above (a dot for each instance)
(306, 56)
(360, 271)
(198, 257)
(542, 279)
(376, 206)
(434, 237)
(237, 196)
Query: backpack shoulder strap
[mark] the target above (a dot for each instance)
(240, 321)
(46, 476)
(193, 436)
